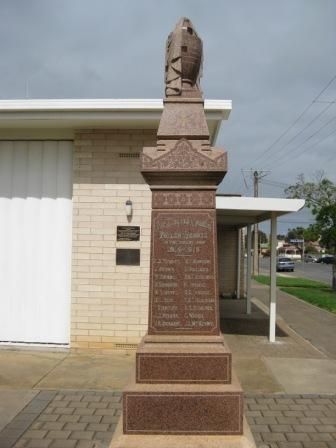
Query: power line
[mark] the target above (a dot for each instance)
(297, 119)
(302, 130)
(282, 156)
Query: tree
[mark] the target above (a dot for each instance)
(280, 237)
(262, 237)
(295, 234)
(311, 233)
(320, 197)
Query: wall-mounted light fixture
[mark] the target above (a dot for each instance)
(129, 208)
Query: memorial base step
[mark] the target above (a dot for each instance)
(212, 409)
(183, 362)
(121, 440)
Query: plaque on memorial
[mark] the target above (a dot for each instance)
(128, 233)
(128, 257)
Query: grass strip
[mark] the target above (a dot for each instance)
(323, 298)
(311, 291)
(291, 282)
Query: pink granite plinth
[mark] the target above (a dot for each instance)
(193, 362)
(121, 440)
(183, 409)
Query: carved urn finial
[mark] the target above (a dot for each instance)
(184, 56)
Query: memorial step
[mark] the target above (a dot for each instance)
(166, 362)
(215, 409)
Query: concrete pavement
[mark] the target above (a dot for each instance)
(312, 323)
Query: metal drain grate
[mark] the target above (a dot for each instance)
(126, 346)
(129, 155)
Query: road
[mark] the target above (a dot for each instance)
(314, 271)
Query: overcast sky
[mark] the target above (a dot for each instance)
(271, 57)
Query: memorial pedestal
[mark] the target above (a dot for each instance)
(183, 393)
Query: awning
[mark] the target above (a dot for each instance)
(241, 210)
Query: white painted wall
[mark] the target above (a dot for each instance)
(35, 241)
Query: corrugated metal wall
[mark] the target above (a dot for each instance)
(35, 241)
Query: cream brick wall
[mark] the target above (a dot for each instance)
(109, 302)
(227, 260)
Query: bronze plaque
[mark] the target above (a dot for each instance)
(183, 291)
(129, 257)
(128, 233)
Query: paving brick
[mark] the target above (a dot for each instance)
(92, 398)
(326, 437)
(82, 435)
(304, 428)
(69, 418)
(84, 411)
(265, 421)
(63, 411)
(294, 414)
(73, 396)
(87, 444)
(44, 443)
(48, 417)
(80, 426)
(249, 413)
(273, 437)
(104, 411)
(312, 444)
(21, 443)
(288, 420)
(103, 435)
(64, 444)
(78, 404)
(297, 437)
(90, 418)
(98, 426)
(37, 425)
(110, 419)
(271, 413)
(35, 434)
(290, 444)
(260, 428)
(326, 428)
(52, 426)
(58, 434)
(258, 407)
(281, 428)
(310, 421)
(96, 405)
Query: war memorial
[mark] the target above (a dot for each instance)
(183, 392)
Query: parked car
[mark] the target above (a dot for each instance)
(322, 258)
(284, 264)
(310, 258)
(329, 259)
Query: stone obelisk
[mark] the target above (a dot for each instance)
(183, 390)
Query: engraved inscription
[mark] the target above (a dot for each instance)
(183, 294)
(184, 199)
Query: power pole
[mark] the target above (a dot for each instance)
(256, 230)
(257, 176)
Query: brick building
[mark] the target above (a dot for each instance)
(67, 168)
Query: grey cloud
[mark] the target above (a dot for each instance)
(271, 58)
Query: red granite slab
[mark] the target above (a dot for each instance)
(183, 363)
(183, 281)
(187, 409)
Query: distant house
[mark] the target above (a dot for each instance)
(290, 251)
